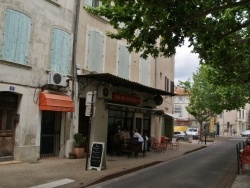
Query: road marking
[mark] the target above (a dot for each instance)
(54, 183)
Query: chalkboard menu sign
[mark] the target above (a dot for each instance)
(96, 156)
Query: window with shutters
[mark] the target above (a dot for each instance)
(93, 3)
(123, 62)
(144, 71)
(16, 37)
(60, 52)
(95, 56)
(178, 110)
(166, 84)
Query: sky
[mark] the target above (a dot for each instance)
(186, 63)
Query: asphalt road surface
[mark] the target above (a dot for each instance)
(212, 167)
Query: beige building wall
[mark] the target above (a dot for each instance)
(27, 80)
(160, 67)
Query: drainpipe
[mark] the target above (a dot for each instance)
(155, 71)
(69, 143)
(74, 73)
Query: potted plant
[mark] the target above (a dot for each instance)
(79, 141)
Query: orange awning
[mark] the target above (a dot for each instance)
(53, 102)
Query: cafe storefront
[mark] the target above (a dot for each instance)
(119, 103)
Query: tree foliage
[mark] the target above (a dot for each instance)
(218, 30)
(208, 99)
(202, 95)
(206, 23)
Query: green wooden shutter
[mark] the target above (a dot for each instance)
(60, 51)
(123, 62)
(16, 37)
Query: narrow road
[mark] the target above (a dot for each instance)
(212, 167)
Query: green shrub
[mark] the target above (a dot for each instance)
(79, 140)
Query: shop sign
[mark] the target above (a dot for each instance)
(124, 98)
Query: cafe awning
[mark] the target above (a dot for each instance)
(118, 81)
(171, 115)
(54, 102)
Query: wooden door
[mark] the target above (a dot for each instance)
(8, 106)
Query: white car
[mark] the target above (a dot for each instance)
(245, 133)
(180, 135)
(193, 132)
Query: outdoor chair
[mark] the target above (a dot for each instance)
(245, 158)
(174, 143)
(156, 145)
(163, 142)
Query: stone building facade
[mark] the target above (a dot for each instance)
(53, 54)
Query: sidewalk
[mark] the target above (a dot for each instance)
(70, 173)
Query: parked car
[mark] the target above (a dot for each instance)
(180, 135)
(245, 133)
(193, 132)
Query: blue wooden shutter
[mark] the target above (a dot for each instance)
(16, 37)
(89, 2)
(145, 71)
(95, 51)
(60, 51)
(123, 62)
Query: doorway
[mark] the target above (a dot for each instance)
(139, 123)
(8, 106)
(50, 133)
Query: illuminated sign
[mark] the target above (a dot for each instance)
(124, 98)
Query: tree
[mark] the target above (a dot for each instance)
(202, 96)
(218, 30)
(205, 23)
(207, 99)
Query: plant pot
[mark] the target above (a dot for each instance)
(79, 152)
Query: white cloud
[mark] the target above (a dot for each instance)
(186, 63)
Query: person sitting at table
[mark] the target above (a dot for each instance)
(124, 135)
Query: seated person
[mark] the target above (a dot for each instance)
(124, 135)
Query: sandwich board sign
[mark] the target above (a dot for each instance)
(96, 156)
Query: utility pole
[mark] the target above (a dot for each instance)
(90, 109)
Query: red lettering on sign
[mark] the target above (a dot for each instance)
(120, 97)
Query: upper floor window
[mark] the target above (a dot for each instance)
(178, 110)
(166, 84)
(93, 3)
(180, 99)
(241, 114)
(145, 71)
(16, 37)
(95, 54)
(123, 62)
(60, 51)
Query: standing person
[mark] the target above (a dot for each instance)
(145, 137)
(137, 136)
(139, 139)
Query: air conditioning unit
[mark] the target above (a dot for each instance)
(104, 92)
(57, 79)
